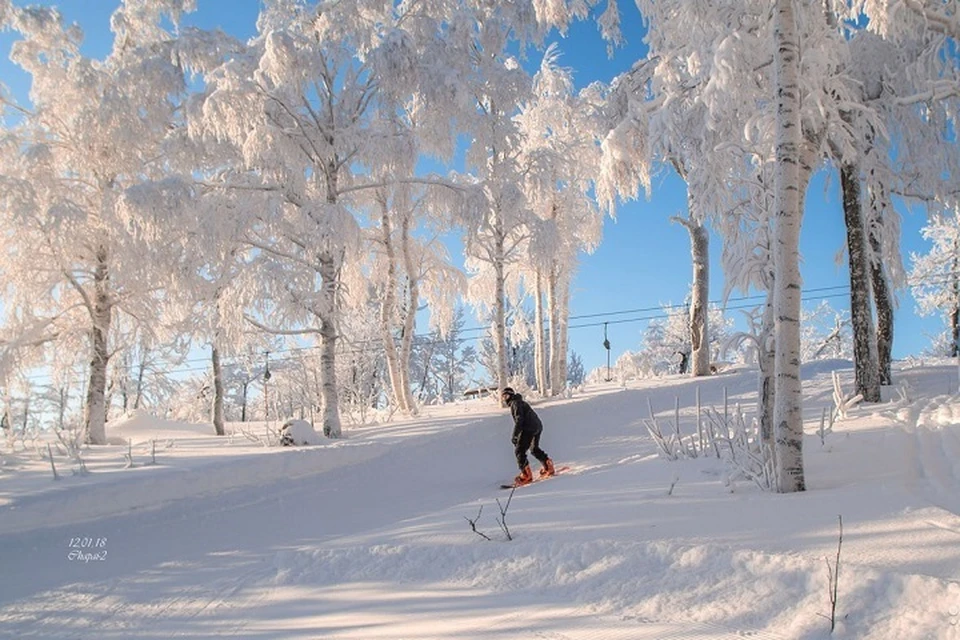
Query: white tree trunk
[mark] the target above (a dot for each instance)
(217, 390)
(553, 303)
(410, 319)
(789, 185)
(564, 322)
(388, 306)
(329, 284)
(699, 296)
(330, 413)
(766, 362)
(96, 408)
(499, 322)
(498, 258)
(540, 348)
(866, 364)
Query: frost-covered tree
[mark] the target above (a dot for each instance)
(495, 233)
(95, 130)
(935, 276)
(908, 76)
(825, 333)
(361, 376)
(445, 362)
(520, 351)
(667, 342)
(409, 268)
(310, 104)
(904, 79)
(576, 374)
(560, 157)
(700, 295)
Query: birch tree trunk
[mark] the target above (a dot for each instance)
(217, 390)
(388, 305)
(790, 182)
(410, 319)
(499, 318)
(955, 330)
(880, 204)
(883, 299)
(866, 366)
(882, 295)
(564, 322)
(540, 351)
(96, 408)
(553, 303)
(955, 312)
(330, 413)
(765, 391)
(700, 296)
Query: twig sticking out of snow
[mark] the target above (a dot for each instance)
(833, 580)
(826, 425)
(673, 483)
(473, 524)
(270, 438)
(502, 520)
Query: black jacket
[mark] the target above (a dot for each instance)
(525, 419)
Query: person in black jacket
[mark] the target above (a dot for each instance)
(527, 429)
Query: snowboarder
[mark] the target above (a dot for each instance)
(526, 436)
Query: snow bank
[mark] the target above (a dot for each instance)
(296, 433)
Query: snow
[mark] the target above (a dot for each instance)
(299, 433)
(366, 537)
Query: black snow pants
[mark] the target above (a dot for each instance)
(529, 440)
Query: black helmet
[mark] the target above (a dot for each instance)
(507, 393)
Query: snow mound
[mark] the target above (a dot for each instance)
(295, 433)
(140, 426)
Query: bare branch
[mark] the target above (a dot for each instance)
(473, 524)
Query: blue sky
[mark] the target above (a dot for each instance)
(644, 260)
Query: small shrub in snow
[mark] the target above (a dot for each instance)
(728, 434)
(295, 433)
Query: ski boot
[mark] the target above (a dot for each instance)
(548, 469)
(525, 477)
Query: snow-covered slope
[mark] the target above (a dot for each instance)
(368, 537)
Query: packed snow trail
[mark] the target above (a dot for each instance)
(305, 510)
(380, 549)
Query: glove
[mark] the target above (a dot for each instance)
(514, 440)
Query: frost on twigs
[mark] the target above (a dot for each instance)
(843, 403)
(269, 438)
(738, 440)
(70, 442)
(727, 433)
(671, 443)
